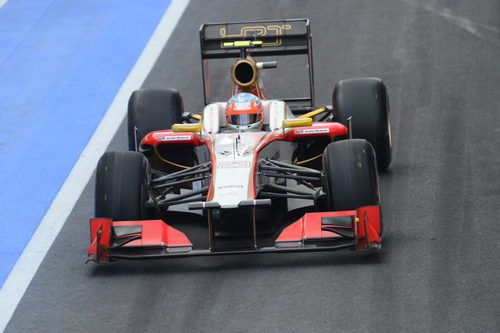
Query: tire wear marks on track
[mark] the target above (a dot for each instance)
(483, 31)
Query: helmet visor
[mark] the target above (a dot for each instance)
(243, 119)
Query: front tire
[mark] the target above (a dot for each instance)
(121, 186)
(350, 177)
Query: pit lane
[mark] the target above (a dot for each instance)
(439, 268)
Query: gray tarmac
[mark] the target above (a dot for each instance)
(439, 269)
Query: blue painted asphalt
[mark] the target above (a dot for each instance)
(61, 64)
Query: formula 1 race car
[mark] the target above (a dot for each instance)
(262, 175)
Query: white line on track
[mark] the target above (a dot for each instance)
(32, 256)
(3, 2)
(482, 31)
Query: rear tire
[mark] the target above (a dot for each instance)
(350, 176)
(152, 110)
(367, 102)
(121, 186)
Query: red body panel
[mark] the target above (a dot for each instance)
(100, 236)
(210, 192)
(369, 227)
(317, 129)
(170, 137)
(156, 232)
(309, 226)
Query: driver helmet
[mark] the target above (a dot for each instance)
(244, 111)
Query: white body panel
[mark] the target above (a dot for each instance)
(211, 121)
(235, 152)
(234, 155)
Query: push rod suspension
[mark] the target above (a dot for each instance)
(183, 173)
(184, 196)
(178, 202)
(286, 165)
(274, 187)
(310, 172)
(282, 175)
(284, 195)
(179, 182)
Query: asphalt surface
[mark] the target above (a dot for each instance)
(439, 270)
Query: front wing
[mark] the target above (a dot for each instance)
(359, 229)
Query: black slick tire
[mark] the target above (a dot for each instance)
(121, 186)
(349, 176)
(367, 102)
(151, 110)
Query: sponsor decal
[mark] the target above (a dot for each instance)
(233, 164)
(258, 30)
(313, 131)
(174, 138)
(227, 194)
(229, 186)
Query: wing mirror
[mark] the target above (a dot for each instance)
(297, 122)
(186, 127)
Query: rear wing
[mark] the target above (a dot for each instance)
(276, 38)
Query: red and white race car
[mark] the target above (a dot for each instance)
(265, 175)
